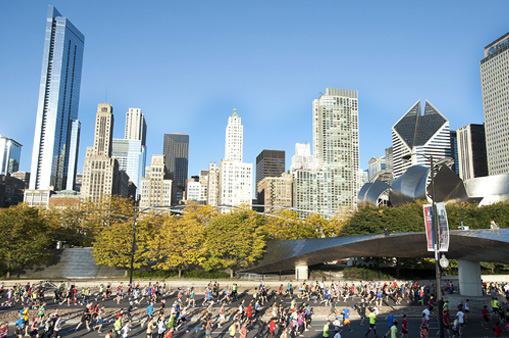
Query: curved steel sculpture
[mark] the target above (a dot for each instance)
(474, 245)
(490, 189)
(410, 186)
(373, 193)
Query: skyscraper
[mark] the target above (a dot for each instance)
(495, 97)
(336, 143)
(135, 126)
(234, 138)
(472, 151)
(55, 145)
(427, 134)
(275, 192)
(235, 177)
(176, 159)
(269, 163)
(131, 156)
(311, 186)
(10, 154)
(155, 186)
(454, 151)
(101, 175)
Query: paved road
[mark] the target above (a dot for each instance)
(472, 329)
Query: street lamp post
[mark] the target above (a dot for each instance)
(436, 240)
(133, 245)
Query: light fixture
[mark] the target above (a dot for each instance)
(444, 262)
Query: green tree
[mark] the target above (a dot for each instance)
(25, 238)
(235, 240)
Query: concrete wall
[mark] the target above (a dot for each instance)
(73, 263)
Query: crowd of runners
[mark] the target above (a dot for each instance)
(285, 311)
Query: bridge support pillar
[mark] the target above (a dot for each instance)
(469, 273)
(301, 271)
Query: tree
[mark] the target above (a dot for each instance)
(332, 228)
(113, 244)
(287, 224)
(235, 240)
(370, 220)
(202, 213)
(178, 244)
(25, 238)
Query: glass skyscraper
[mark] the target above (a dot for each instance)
(10, 153)
(495, 98)
(176, 159)
(55, 144)
(131, 156)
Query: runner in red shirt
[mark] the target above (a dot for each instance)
(486, 317)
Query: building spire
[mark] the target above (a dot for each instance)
(235, 113)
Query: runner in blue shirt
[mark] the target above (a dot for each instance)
(150, 312)
(390, 323)
(346, 318)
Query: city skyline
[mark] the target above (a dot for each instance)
(235, 49)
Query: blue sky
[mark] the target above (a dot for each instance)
(188, 64)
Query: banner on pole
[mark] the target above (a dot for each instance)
(443, 227)
(428, 225)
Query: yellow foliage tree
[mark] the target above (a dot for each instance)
(113, 244)
(287, 224)
(235, 240)
(178, 243)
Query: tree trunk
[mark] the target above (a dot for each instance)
(231, 273)
(180, 272)
(8, 274)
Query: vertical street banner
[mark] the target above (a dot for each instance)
(443, 228)
(428, 225)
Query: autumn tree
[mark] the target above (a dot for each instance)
(178, 243)
(25, 238)
(287, 224)
(234, 240)
(113, 243)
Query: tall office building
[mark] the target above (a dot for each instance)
(472, 151)
(303, 159)
(336, 143)
(454, 152)
(375, 166)
(101, 174)
(235, 177)
(275, 192)
(10, 154)
(55, 148)
(495, 97)
(234, 138)
(235, 183)
(131, 156)
(311, 186)
(155, 186)
(204, 183)
(389, 158)
(135, 126)
(269, 163)
(426, 134)
(213, 185)
(176, 157)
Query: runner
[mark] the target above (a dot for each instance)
(372, 322)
